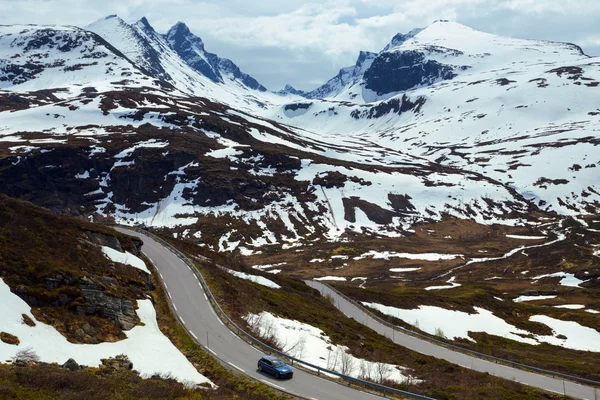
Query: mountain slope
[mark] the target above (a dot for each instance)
(179, 58)
(54, 57)
(191, 49)
(520, 111)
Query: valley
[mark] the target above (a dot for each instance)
(447, 183)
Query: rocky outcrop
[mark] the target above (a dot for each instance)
(119, 310)
(72, 365)
(120, 362)
(400, 71)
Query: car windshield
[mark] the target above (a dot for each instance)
(278, 363)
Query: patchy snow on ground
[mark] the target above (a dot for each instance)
(404, 269)
(267, 266)
(457, 324)
(386, 255)
(331, 278)
(310, 344)
(571, 306)
(532, 298)
(450, 281)
(567, 279)
(254, 278)
(148, 349)
(578, 337)
(592, 311)
(522, 237)
(360, 278)
(124, 258)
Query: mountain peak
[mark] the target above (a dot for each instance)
(180, 26)
(400, 38)
(180, 33)
(289, 89)
(144, 24)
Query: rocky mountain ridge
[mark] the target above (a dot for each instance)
(149, 153)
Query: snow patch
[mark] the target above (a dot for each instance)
(124, 258)
(148, 349)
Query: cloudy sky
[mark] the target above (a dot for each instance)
(305, 42)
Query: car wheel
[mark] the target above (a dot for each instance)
(276, 375)
(260, 368)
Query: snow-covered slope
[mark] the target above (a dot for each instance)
(34, 57)
(521, 111)
(514, 130)
(191, 48)
(179, 58)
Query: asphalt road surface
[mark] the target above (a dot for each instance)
(424, 347)
(194, 310)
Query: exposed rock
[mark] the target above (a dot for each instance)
(120, 362)
(120, 311)
(72, 365)
(9, 339)
(104, 240)
(398, 71)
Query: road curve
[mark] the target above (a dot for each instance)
(556, 385)
(194, 310)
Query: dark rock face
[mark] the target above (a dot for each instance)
(399, 71)
(105, 240)
(397, 106)
(344, 77)
(118, 310)
(297, 106)
(191, 49)
(401, 203)
(374, 212)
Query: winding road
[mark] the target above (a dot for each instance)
(191, 304)
(196, 313)
(425, 347)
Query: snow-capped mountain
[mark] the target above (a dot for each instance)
(180, 59)
(515, 130)
(191, 48)
(521, 111)
(66, 58)
(289, 89)
(347, 77)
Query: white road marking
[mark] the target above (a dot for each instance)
(272, 384)
(212, 351)
(234, 334)
(169, 293)
(174, 306)
(236, 367)
(183, 321)
(205, 298)
(194, 335)
(161, 277)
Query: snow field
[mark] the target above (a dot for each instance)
(451, 285)
(457, 324)
(255, 278)
(310, 344)
(148, 349)
(124, 258)
(386, 255)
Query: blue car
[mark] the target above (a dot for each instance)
(275, 367)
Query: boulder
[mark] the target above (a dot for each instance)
(72, 365)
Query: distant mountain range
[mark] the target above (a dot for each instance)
(117, 121)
